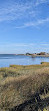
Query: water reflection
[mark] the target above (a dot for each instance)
(6, 60)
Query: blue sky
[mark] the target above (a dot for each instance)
(24, 26)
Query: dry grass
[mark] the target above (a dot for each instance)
(19, 83)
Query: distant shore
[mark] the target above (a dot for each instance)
(41, 54)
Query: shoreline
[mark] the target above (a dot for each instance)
(28, 54)
(33, 55)
(40, 55)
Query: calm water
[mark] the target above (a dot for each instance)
(6, 60)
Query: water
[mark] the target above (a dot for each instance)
(6, 60)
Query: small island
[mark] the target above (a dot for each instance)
(40, 54)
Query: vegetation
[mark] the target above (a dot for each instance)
(24, 88)
(41, 53)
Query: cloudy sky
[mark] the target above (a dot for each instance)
(24, 26)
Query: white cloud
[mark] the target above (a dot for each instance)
(27, 47)
(38, 22)
(38, 2)
(17, 45)
(45, 44)
(35, 23)
(26, 14)
(18, 10)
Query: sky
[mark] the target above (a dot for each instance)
(24, 26)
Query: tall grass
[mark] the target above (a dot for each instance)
(19, 83)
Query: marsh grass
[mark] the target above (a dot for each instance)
(19, 83)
